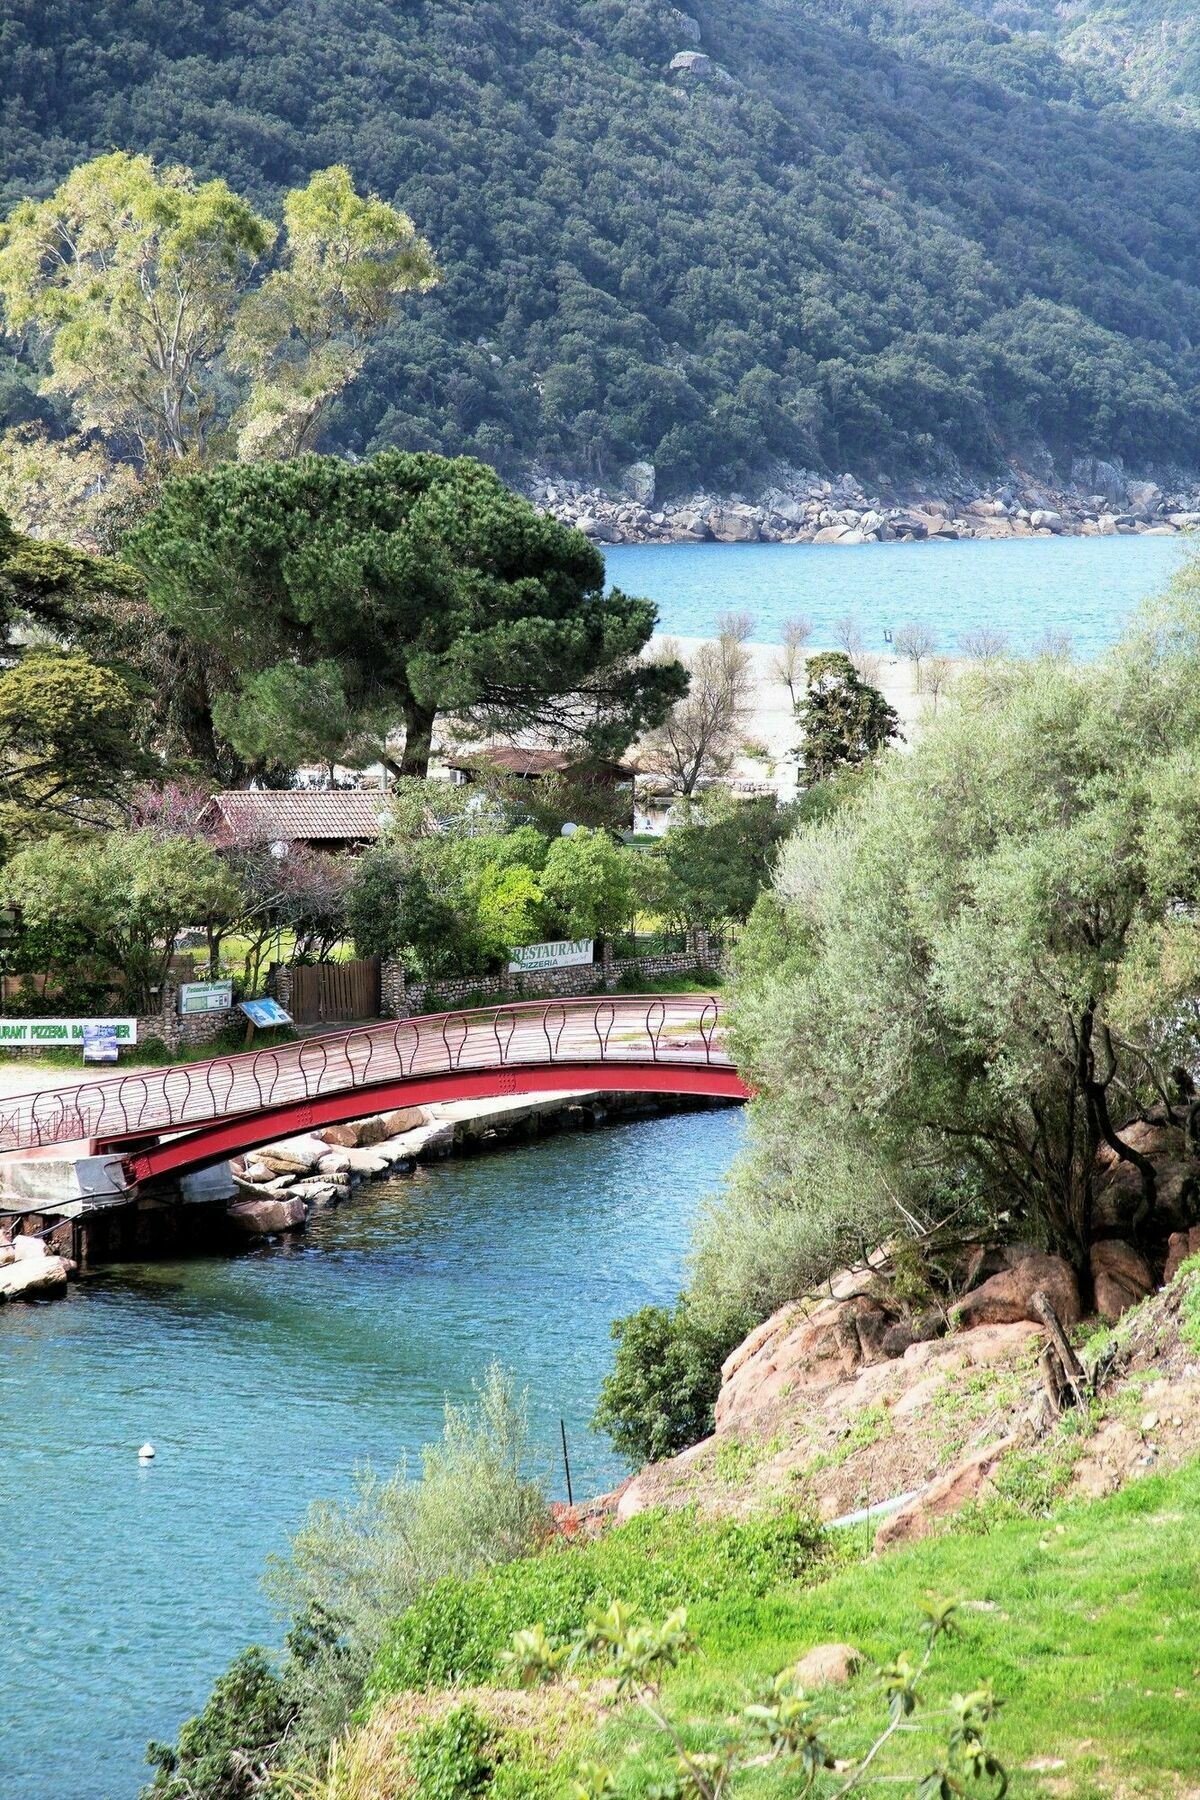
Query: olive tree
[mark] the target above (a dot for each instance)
(994, 953)
(128, 894)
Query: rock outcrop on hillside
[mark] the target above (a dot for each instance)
(849, 1400)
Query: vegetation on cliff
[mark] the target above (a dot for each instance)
(860, 235)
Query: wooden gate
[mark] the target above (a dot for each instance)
(335, 993)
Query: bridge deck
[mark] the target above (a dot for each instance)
(524, 1042)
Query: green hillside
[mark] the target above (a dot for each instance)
(1150, 48)
(865, 236)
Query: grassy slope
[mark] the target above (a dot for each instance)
(1088, 1627)
(1087, 1622)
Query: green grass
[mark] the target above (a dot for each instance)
(457, 1631)
(692, 981)
(1088, 1624)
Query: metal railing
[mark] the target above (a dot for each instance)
(672, 1029)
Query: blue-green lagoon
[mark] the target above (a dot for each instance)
(262, 1380)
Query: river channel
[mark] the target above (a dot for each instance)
(262, 1380)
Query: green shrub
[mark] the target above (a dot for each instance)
(223, 1752)
(452, 1759)
(660, 1395)
(459, 1630)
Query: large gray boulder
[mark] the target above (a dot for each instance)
(1092, 475)
(693, 63)
(599, 529)
(639, 482)
(687, 27)
(731, 524)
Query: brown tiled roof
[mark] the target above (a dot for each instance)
(515, 760)
(296, 815)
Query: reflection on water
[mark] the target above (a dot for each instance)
(262, 1380)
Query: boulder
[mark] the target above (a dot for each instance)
(1180, 1246)
(835, 534)
(735, 524)
(966, 1481)
(1044, 518)
(316, 1193)
(687, 27)
(300, 1153)
(690, 525)
(1143, 496)
(1121, 1277)
(33, 1278)
(366, 1162)
(1093, 475)
(693, 63)
(600, 529)
(263, 1218)
(828, 1665)
(372, 1131)
(405, 1118)
(1006, 1298)
(639, 481)
(341, 1137)
(336, 1163)
(1185, 521)
(29, 1249)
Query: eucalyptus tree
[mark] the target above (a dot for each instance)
(148, 287)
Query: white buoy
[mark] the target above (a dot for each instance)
(146, 1453)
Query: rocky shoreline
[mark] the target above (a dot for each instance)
(799, 506)
(281, 1185)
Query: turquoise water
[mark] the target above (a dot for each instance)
(262, 1380)
(1087, 587)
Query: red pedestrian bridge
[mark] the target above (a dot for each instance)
(167, 1121)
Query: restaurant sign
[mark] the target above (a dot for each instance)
(564, 953)
(25, 1034)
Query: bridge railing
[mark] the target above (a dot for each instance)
(682, 1028)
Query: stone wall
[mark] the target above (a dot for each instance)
(164, 1027)
(193, 1032)
(400, 999)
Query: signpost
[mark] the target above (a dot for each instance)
(262, 1012)
(100, 1041)
(205, 997)
(39, 1034)
(563, 953)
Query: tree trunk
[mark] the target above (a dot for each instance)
(418, 739)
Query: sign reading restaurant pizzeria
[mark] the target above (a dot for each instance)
(21, 1034)
(565, 953)
(205, 997)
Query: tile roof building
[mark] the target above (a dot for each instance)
(325, 818)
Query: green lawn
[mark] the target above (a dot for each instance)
(1088, 1625)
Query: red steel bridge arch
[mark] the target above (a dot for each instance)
(165, 1122)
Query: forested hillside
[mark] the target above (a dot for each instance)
(861, 236)
(1150, 47)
